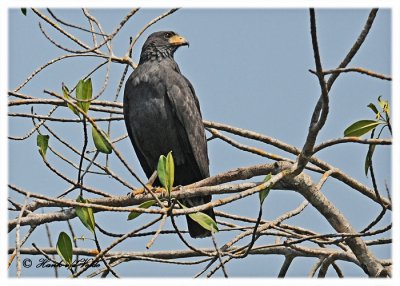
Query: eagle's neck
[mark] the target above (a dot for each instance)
(153, 53)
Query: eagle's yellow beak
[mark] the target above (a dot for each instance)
(177, 40)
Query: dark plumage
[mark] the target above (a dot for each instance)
(162, 114)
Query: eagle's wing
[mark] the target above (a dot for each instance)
(187, 110)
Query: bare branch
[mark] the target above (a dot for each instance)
(352, 140)
(356, 46)
(285, 266)
(357, 70)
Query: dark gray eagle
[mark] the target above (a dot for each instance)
(162, 114)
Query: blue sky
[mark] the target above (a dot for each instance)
(249, 69)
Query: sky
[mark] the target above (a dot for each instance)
(249, 68)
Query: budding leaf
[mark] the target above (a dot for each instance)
(64, 248)
(368, 158)
(203, 220)
(264, 193)
(374, 109)
(144, 205)
(361, 127)
(42, 141)
(84, 92)
(66, 95)
(85, 215)
(384, 104)
(100, 141)
(166, 171)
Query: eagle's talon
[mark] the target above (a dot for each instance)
(141, 190)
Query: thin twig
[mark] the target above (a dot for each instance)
(219, 255)
(18, 241)
(358, 70)
(161, 226)
(51, 245)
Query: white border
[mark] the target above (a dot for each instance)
(202, 3)
(396, 147)
(394, 4)
(3, 139)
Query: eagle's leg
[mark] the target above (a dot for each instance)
(150, 187)
(156, 190)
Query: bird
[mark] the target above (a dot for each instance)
(162, 114)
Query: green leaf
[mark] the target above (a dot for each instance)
(100, 142)
(161, 170)
(64, 248)
(166, 171)
(24, 11)
(264, 193)
(85, 214)
(361, 127)
(384, 104)
(368, 158)
(42, 141)
(374, 109)
(144, 205)
(84, 92)
(203, 220)
(170, 171)
(66, 95)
